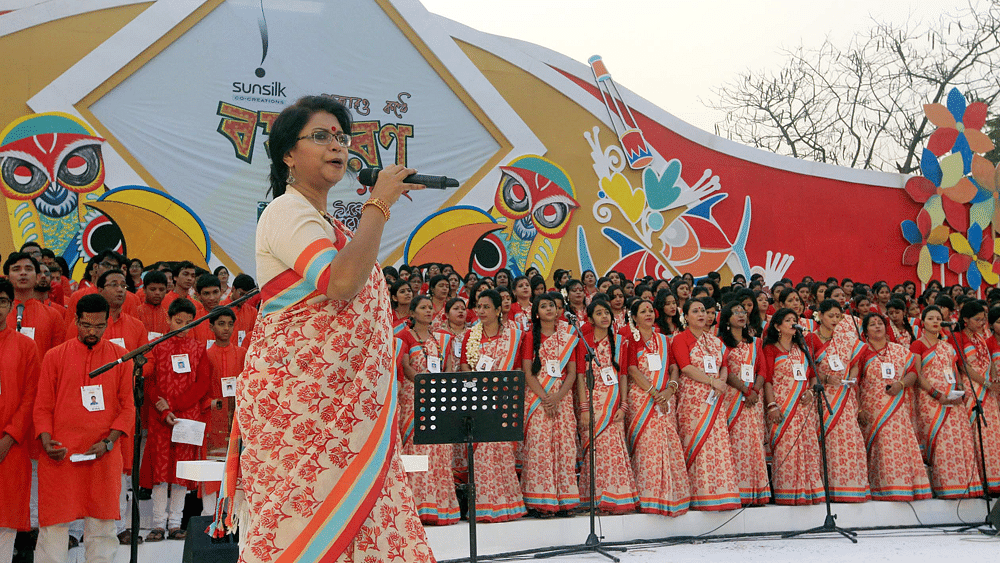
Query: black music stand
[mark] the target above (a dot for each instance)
(466, 408)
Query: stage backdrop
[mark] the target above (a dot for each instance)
(143, 126)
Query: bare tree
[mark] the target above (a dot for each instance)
(862, 105)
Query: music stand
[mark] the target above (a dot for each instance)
(466, 408)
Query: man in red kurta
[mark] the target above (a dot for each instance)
(180, 379)
(104, 261)
(38, 322)
(226, 361)
(184, 278)
(209, 291)
(153, 310)
(80, 420)
(18, 383)
(246, 312)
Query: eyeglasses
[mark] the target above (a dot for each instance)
(108, 265)
(324, 137)
(88, 326)
(116, 285)
(739, 313)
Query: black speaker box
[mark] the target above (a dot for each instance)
(199, 547)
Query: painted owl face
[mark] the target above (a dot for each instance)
(538, 204)
(51, 169)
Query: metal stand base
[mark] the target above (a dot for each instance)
(592, 545)
(828, 526)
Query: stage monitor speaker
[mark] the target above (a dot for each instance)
(994, 518)
(199, 547)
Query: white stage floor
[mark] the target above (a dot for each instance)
(703, 528)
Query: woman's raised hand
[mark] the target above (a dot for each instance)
(390, 186)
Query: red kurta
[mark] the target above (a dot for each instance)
(184, 392)
(155, 319)
(67, 490)
(225, 361)
(18, 383)
(48, 328)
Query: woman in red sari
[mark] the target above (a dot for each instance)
(792, 414)
(616, 298)
(743, 407)
(400, 295)
(316, 402)
(456, 311)
(613, 480)
(487, 346)
(657, 455)
(550, 360)
(701, 420)
(845, 446)
(944, 422)
(439, 289)
(576, 299)
(899, 330)
(424, 352)
(520, 309)
(980, 353)
(895, 468)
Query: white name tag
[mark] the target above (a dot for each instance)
(93, 397)
(552, 368)
(799, 372)
(151, 336)
(888, 371)
(949, 377)
(229, 386)
(835, 363)
(240, 336)
(608, 376)
(746, 373)
(653, 362)
(118, 341)
(433, 364)
(485, 363)
(181, 363)
(28, 331)
(710, 366)
(209, 344)
(456, 348)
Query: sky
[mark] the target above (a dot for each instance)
(676, 53)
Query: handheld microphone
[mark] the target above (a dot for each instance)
(369, 176)
(570, 317)
(20, 315)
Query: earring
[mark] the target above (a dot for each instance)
(291, 177)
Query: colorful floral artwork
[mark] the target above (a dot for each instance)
(959, 190)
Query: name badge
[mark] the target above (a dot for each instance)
(713, 396)
(799, 372)
(151, 336)
(229, 386)
(710, 366)
(888, 371)
(485, 363)
(118, 341)
(746, 373)
(552, 368)
(209, 344)
(181, 363)
(608, 376)
(835, 363)
(93, 397)
(456, 348)
(654, 362)
(433, 364)
(240, 336)
(949, 377)
(28, 331)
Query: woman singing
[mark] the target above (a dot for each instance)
(657, 455)
(792, 414)
(845, 446)
(980, 352)
(613, 480)
(701, 422)
(895, 469)
(316, 402)
(424, 352)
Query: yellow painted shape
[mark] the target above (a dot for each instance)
(632, 202)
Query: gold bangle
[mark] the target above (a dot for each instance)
(378, 204)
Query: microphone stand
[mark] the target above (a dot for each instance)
(829, 525)
(977, 410)
(138, 396)
(593, 543)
